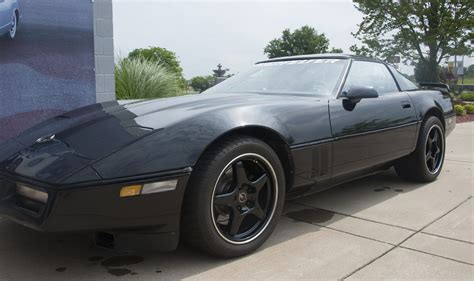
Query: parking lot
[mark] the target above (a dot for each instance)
(374, 228)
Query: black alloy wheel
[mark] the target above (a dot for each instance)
(434, 149)
(244, 198)
(425, 163)
(234, 197)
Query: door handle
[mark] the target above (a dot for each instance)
(406, 104)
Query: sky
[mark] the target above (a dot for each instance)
(233, 33)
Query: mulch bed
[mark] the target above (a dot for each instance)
(466, 118)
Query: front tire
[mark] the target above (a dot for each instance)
(426, 162)
(234, 198)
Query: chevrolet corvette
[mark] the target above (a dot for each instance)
(215, 168)
(9, 18)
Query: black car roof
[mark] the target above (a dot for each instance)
(320, 56)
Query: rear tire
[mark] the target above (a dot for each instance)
(234, 198)
(426, 162)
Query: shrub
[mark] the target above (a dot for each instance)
(467, 96)
(452, 95)
(469, 108)
(202, 83)
(139, 78)
(459, 110)
(163, 56)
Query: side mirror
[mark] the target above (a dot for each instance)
(356, 93)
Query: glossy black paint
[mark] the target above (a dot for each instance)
(377, 130)
(95, 207)
(100, 148)
(356, 94)
(151, 136)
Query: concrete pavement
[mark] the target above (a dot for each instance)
(379, 227)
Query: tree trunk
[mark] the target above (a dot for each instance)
(426, 71)
(432, 65)
(432, 70)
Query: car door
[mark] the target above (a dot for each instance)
(375, 130)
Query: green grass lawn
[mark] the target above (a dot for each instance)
(467, 80)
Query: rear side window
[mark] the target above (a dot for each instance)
(371, 74)
(404, 83)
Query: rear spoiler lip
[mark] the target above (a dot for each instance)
(436, 86)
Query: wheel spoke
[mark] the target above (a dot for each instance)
(260, 182)
(240, 175)
(258, 212)
(429, 144)
(227, 199)
(252, 196)
(428, 155)
(236, 221)
(428, 160)
(433, 163)
(434, 139)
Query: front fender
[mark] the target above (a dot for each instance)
(180, 145)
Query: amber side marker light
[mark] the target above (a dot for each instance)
(149, 188)
(131, 190)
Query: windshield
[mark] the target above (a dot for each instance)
(304, 77)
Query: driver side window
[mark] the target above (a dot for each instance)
(371, 74)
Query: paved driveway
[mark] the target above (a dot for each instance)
(374, 228)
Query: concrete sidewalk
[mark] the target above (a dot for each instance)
(375, 228)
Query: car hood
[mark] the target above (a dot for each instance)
(70, 143)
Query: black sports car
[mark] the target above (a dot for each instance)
(216, 167)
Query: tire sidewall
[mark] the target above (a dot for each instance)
(214, 241)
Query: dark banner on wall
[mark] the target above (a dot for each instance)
(46, 60)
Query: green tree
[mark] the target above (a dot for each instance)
(302, 41)
(422, 72)
(470, 70)
(422, 32)
(162, 56)
(202, 83)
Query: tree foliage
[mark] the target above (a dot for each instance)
(469, 70)
(202, 83)
(422, 72)
(302, 41)
(162, 56)
(422, 32)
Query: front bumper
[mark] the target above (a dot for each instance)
(95, 207)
